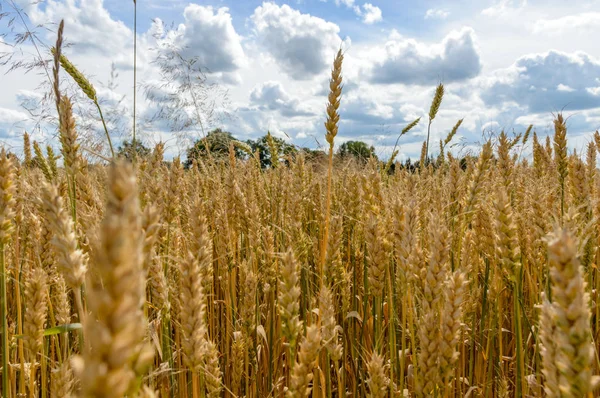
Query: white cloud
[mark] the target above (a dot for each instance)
(504, 8)
(564, 87)
(436, 13)
(271, 95)
(586, 21)
(595, 91)
(88, 25)
(546, 82)
(371, 14)
(207, 34)
(302, 45)
(410, 62)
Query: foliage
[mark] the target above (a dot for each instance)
(358, 149)
(133, 150)
(262, 146)
(217, 142)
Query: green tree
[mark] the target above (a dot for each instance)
(358, 149)
(217, 141)
(261, 144)
(133, 149)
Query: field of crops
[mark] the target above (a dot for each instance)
(472, 277)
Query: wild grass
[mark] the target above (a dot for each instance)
(475, 277)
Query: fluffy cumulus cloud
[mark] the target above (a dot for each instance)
(208, 34)
(408, 61)
(587, 21)
(301, 44)
(436, 13)
(88, 25)
(271, 95)
(371, 14)
(547, 82)
(10, 120)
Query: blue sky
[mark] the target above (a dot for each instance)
(505, 64)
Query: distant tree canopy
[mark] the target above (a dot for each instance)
(133, 149)
(217, 141)
(264, 151)
(358, 149)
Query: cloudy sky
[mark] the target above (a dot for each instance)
(505, 63)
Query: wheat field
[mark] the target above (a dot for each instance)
(472, 277)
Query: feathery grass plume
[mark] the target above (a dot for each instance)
(568, 353)
(115, 327)
(72, 262)
(377, 381)
(331, 126)
(26, 150)
(302, 373)
(40, 161)
(7, 213)
(36, 310)
(560, 156)
(288, 301)
(433, 110)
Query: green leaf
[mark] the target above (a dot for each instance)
(62, 329)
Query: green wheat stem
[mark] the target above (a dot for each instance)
(112, 151)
